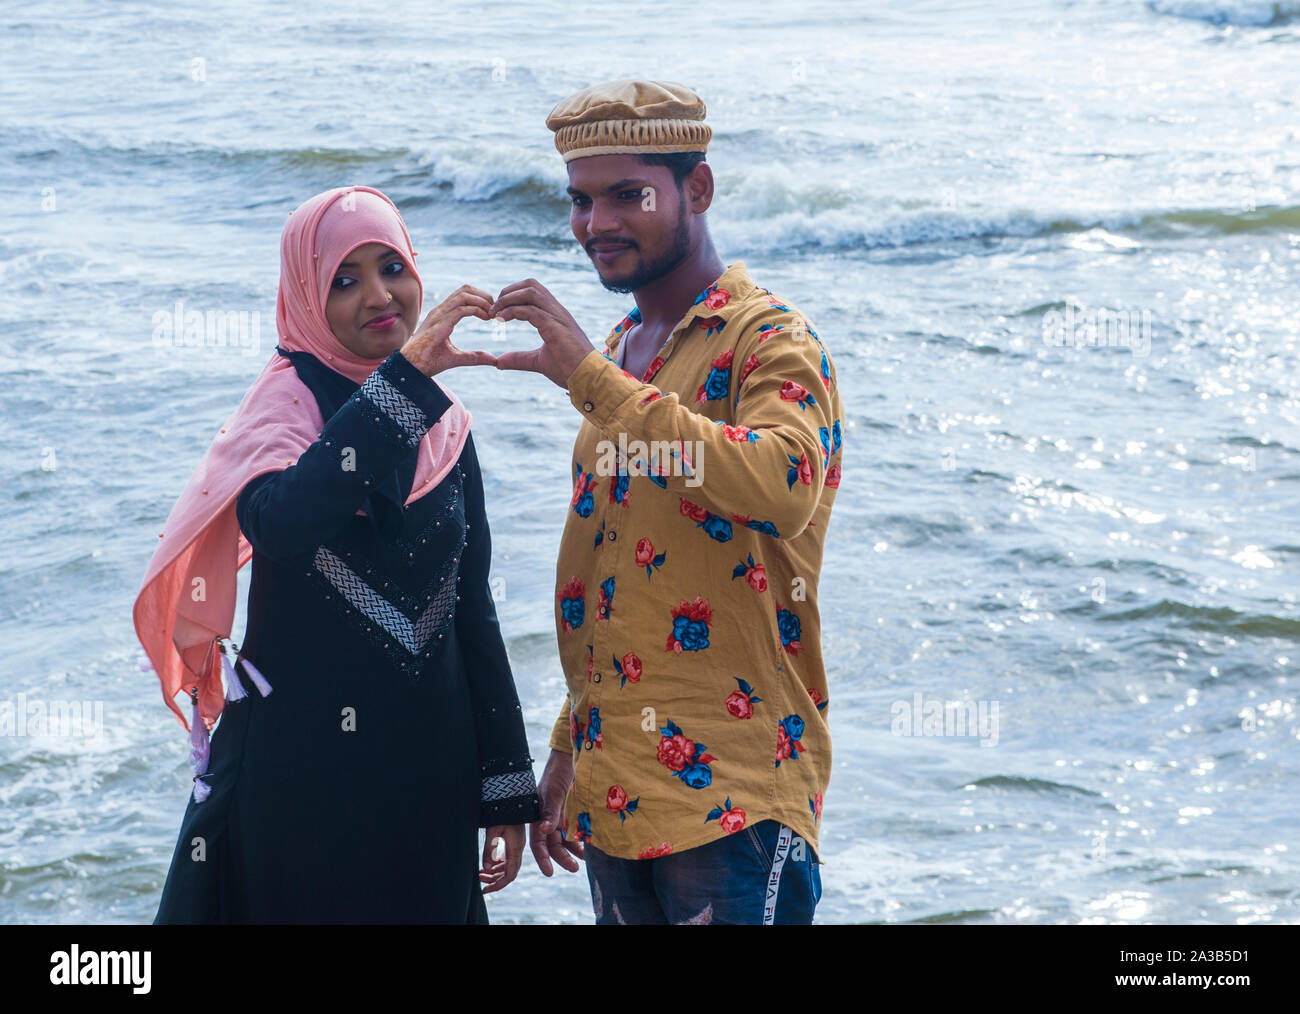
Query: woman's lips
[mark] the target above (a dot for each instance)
(383, 323)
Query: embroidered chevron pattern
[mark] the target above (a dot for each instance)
(397, 406)
(413, 635)
(508, 786)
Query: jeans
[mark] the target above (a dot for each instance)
(761, 875)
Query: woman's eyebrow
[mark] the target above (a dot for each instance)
(354, 264)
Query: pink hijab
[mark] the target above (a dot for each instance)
(187, 599)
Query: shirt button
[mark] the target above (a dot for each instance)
(588, 406)
(611, 536)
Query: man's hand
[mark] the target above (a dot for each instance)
(564, 345)
(497, 873)
(431, 350)
(544, 836)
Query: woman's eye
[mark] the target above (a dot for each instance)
(394, 268)
(342, 282)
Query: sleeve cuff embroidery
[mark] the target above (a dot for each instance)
(396, 406)
(510, 785)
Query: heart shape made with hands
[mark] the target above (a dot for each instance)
(564, 344)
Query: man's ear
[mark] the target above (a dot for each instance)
(697, 188)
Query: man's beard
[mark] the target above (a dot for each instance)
(656, 269)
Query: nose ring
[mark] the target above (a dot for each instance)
(389, 295)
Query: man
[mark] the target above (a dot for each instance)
(686, 605)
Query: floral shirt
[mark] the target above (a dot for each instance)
(686, 584)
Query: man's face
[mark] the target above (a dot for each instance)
(631, 218)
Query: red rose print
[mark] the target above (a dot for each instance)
(694, 511)
(805, 470)
(632, 667)
(790, 391)
(645, 552)
(652, 369)
(817, 804)
(833, 476)
(717, 299)
(591, 668)
(815, 694)
(738, 704)
(615, 799)
(723, 362)
(697, 610)
(782, 743)
(575, 589)
(710, 322)
(737, 433)
(733, 820)
(751, 364)
(676, 752)
(655, 851)
(757, 578)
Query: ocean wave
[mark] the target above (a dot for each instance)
(469, 171)
(1221, 619)
(1018, 783)
(759, 208)
(857, 230)
(1219, 12)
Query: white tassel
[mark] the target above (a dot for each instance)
(234, 688)
(259, 681)
(199, 749)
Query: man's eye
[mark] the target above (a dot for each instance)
(578, 202)
(632, 195)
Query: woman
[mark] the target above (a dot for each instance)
(371, 724)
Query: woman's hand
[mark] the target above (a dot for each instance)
(497, 873)
(431, 351)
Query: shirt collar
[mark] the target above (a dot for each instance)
(718, 300)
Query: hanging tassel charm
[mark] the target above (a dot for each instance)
(259, 681)
(199, 749)
(234, 688)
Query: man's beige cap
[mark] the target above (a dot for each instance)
(629, 118)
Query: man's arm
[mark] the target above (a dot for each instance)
(770, 470)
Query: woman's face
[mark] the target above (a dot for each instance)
(373, 302)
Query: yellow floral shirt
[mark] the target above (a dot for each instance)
(686, 584)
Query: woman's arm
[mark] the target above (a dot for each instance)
(509, 792)
(288, 513)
